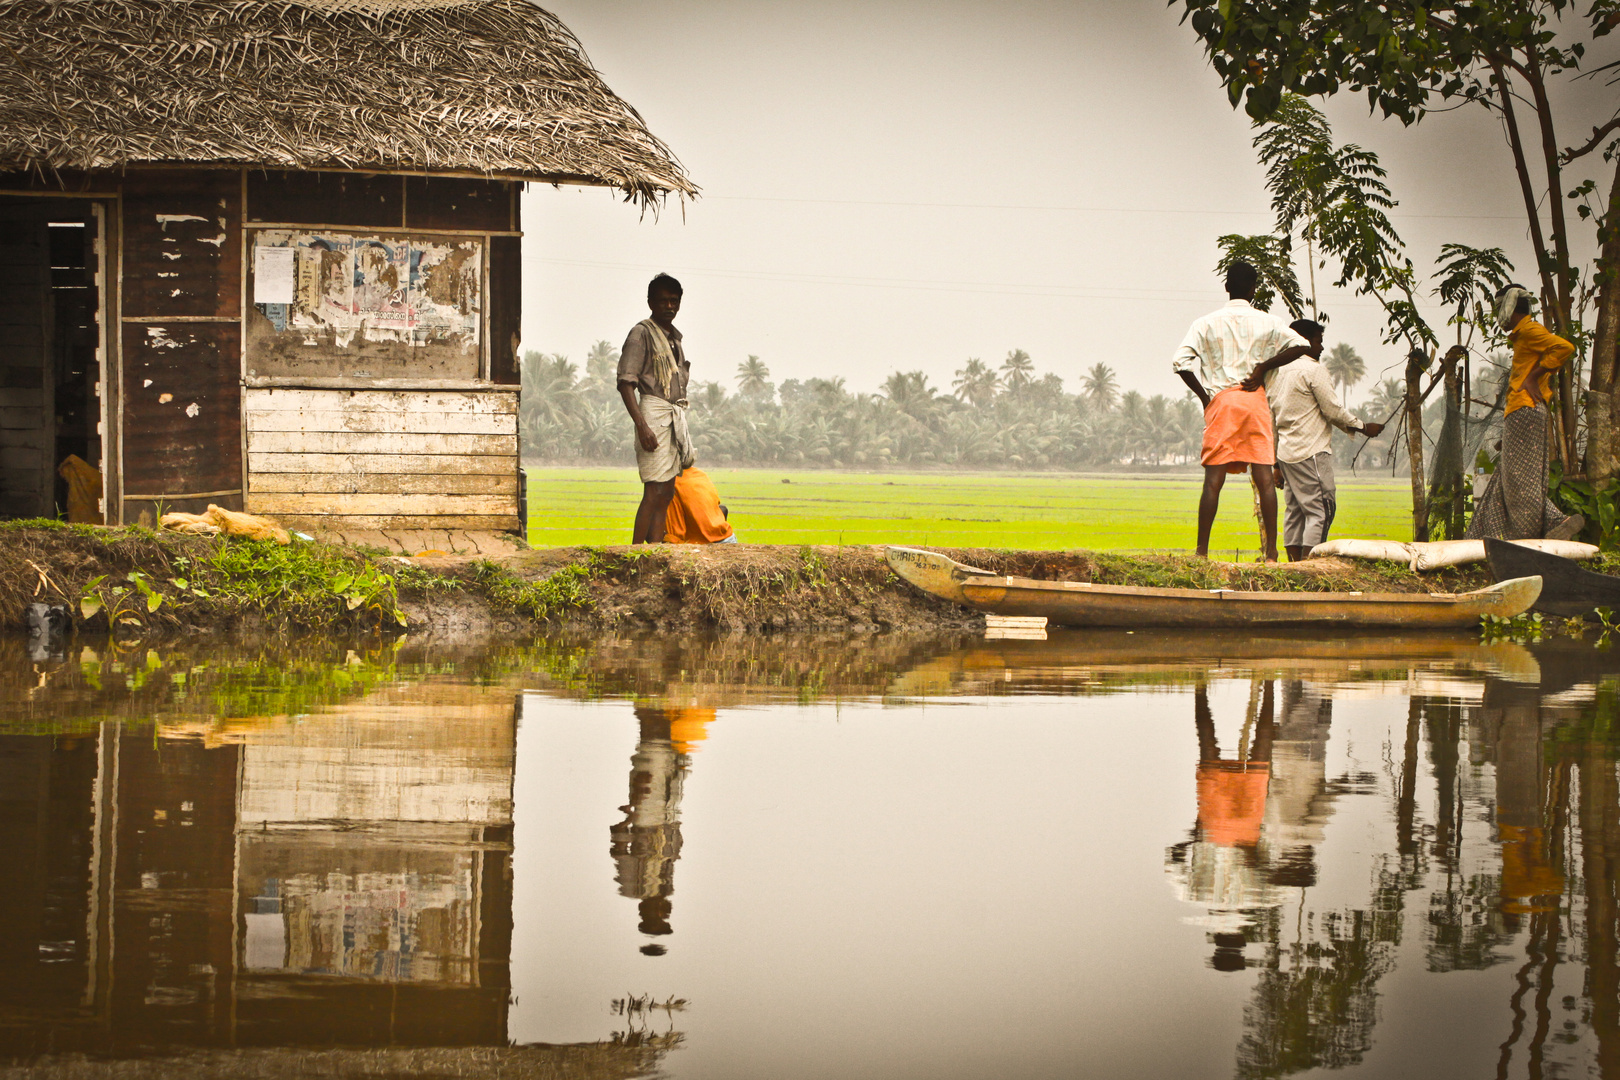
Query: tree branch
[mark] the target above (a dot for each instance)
(1598, 134)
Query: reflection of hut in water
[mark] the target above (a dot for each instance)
(342, 880)
(374, 847)
(266, 254)
(647, 843)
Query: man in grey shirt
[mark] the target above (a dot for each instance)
(653, 373)
(1303, 405)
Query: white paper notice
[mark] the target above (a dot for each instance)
(273, 274)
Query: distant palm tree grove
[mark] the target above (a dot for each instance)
(1008, 416)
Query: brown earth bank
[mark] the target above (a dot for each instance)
(132, 581)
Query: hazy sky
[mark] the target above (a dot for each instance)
(898, 186)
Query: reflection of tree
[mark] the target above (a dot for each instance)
(1315, 1004)
(1466, 927)
(1315, 1001)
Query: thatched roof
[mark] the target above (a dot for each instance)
(497, 87)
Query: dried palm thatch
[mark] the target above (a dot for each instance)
(497, 87)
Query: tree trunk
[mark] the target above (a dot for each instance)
(1602, 455)
(1414, 447)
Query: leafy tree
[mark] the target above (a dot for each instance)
(1101, 386)
(1345, 365)
(1336, 196)
(1271, 257)
(1410, 56)
(1469, 279)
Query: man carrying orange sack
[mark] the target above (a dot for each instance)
(695, 515)
(1224, 360)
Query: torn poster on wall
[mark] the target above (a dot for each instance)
(337, 287)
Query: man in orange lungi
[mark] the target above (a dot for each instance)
(1224, 360)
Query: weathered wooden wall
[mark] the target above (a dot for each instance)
(352, 459)
(182, 345)
(176, 316)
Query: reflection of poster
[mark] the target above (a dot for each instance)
(416, 290)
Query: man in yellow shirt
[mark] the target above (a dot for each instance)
(1515, 504)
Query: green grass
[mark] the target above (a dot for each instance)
(1041, 511)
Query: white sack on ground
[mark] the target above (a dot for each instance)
(1438, 553)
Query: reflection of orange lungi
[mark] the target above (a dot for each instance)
(1237, 430)
(1232, 801)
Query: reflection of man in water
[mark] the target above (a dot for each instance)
(1220, 867)
(648, 841)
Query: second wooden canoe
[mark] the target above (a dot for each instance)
(1081, 603)
(1567, 588)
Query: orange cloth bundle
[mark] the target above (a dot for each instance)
(84, 490)
(1237, 430)
(694, 515)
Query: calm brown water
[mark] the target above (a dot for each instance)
(1097, 855)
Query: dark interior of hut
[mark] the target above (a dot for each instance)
(50, 376)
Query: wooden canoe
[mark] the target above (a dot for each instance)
(1080, 603)
(1567, 589)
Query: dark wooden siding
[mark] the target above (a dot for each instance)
(181, 354)
(375, 202)
(182, 243)
(182, 413)
(462, 205)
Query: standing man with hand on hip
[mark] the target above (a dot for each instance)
(1303, 405)
(653, 373)
(1224, 360)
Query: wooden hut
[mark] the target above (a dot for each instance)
(265, 253)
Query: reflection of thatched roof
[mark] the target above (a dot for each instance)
(495, 87)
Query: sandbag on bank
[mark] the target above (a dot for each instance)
(1434, 554)
(232, 522)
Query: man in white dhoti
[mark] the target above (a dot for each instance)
(653, 373)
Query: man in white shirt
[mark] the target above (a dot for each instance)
(1303, 404)
(1224, 360)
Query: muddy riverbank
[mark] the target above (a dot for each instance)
(131, 581)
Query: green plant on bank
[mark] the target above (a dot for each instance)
(309, 584)
(564, 590)
(1598, 503)
(303, 579)
(1524, 628)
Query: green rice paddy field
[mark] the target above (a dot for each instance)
(1040, 511)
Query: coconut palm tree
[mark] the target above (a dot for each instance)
(602, 365)
(975, 383)
(753, 377)
(1101, 386)
(1345, 366)
(1017, 371)
(910, 393)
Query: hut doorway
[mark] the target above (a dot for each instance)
(51, 377)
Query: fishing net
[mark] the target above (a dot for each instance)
(1463, 431)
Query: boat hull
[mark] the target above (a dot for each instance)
(1566, 588)
(1078, 603)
